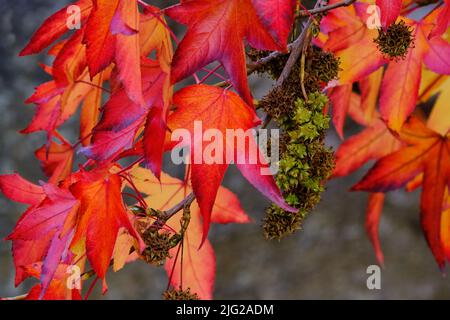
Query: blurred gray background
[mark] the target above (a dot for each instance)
(326, 260)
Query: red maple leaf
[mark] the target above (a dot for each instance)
(56, 161)
(210, 24)
(425, 152)
(389, 11)
(222, 110)
(277, 16)
(101, 204)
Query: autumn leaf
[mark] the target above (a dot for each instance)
(341, 98)
(425, 152)
(277, 16)
(70, 60)
(374, 142)
(90, 110)
(443, 20)
(16, 188)
(56, 161)
(352, 42)
(203, 44)
(439, 119)
(46, 222)
(445, 226)
(57, 290)
(370, 89)
(101, 205)
(73, 213)
(436, 56)
(216, 108)
(98, 37)
(107, 144)
(400, 87)
(114, 133)
(128, 49)
(389, 11)
(362, 108)
(55, 105)
(54, 27)
(155, 35)
(373, 215)
(359, 56)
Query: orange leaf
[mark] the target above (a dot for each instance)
(98, 38)
(101, 205)
(373, 215)
(128, 51)
(56, 161)
(53, 28)
(374, 142)
(425, 152)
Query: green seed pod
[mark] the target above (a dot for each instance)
(305, 165)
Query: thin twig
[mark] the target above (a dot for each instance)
(174, 210)
(305, 13)
(297, 46)
(295, 54)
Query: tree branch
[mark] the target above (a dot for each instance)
(174, 210)
(305, 13)
(297, 47)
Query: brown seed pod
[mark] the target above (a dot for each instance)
(395, 42)
(320, 68)
(279, 223)
(158, 245)
(180, 294)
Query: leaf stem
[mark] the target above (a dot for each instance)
(305, 13)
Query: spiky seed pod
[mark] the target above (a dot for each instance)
(278, 103)
(180, 294)
(395, 42)
(273, 68)
(158, 245)
(279, 223)
(321, 67)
